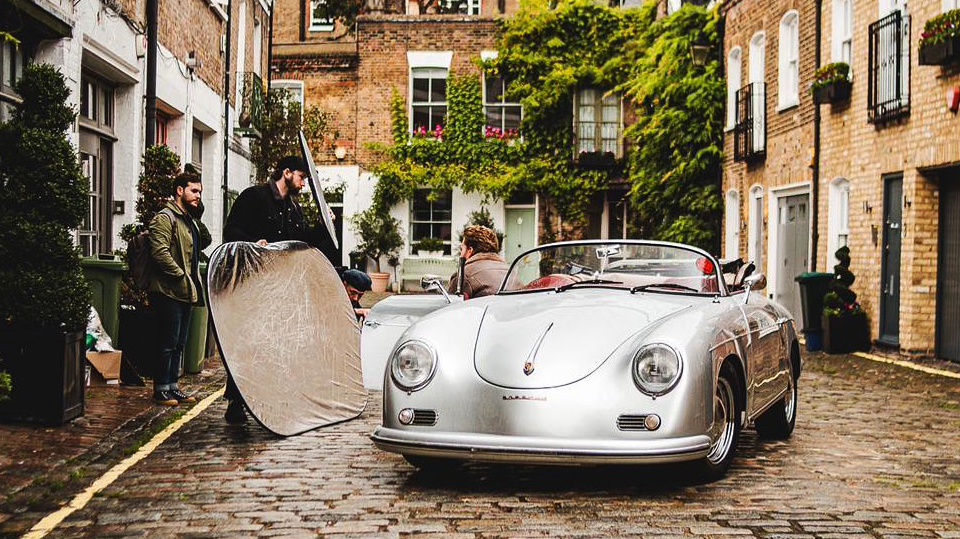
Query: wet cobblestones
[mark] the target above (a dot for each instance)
(876, 454)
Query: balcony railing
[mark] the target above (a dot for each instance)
(750, 131)
(888, 87)
(250, 119)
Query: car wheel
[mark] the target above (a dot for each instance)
(726, 425)
(431, 464)
(778, 421)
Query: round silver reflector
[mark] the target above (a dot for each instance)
(406, 416)
(652, 422)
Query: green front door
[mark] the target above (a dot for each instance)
(521, 233)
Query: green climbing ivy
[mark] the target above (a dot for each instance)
(548, 50)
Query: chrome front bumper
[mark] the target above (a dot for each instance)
(539, 450)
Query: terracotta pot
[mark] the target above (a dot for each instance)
(380, 281)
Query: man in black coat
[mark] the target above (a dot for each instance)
(269, 213)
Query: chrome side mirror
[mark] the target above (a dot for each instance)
(433, 282)
(756, 281)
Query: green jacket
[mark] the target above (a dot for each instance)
(171, 248)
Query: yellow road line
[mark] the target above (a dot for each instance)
(907, 364)
(51, 521)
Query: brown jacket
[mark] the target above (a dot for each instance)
(482, 275)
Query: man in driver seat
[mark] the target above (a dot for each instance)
(484, 268)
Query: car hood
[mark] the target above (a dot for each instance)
(552, 339)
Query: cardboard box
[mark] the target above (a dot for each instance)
(106, 367)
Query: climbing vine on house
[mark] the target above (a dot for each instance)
(548, 52)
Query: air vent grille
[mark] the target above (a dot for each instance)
(631, 422)
(424, 418)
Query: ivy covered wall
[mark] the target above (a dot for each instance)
(672, 141)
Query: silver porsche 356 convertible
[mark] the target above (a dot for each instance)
(591, 352)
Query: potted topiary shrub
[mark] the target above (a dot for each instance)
(429, 247)
(831, 83)
(844, 321)
(482, 217)
(44, 299)
(940, 39)
(379, 236)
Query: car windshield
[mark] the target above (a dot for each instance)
(638, 267)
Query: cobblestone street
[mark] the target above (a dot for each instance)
(876, 454)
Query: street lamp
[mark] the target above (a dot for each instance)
(700, 50)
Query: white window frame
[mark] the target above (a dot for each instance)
(838, 216)
(731, 243)
(673, 6)
(431, 221)
(788, 72)
(947, 5)
(294, 86)
(318, 24)
(842, 31)
(433, 73)
(601, 100)
(257, 46)
(755, 233)
(502, 104)
(758, 52)
(734, 83)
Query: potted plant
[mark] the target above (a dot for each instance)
(44, 299)
(831, 83)
(482, 217)
(379, 236)
(844, 321)
(429, 247)
(940, 39)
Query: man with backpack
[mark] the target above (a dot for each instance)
(174, 283)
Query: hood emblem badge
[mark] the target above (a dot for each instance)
(528, 365)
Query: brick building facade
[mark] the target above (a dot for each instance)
(100, 47)
(887, 184)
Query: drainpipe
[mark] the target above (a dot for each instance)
(721, 31)
(226, 112)
(270, 47)
(153, 14)
(815, 180)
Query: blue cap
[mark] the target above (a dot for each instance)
(357, 279)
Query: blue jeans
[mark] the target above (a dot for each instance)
(173, 322)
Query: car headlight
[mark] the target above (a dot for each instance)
(413, 365)
(656, 369)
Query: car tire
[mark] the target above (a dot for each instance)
(726, 412)
(431, 464)
(778, 421)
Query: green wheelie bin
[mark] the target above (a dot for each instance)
(104, 273)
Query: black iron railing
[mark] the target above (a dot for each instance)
(250, 119)
(750, 131)
(888, 87)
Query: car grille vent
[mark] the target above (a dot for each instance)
(424, 418)
(631, 422)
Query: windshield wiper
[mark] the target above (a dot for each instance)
(674, 286)
(568, 286)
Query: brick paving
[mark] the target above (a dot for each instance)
(875, 455)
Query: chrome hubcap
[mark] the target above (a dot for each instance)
(724, 421)
(789, 400)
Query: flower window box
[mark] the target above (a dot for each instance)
(940, 39)
(940, 53)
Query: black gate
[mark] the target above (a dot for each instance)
(948, 272)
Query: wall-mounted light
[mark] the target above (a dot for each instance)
(867, 208)
(193, 61)
(700, 50)
(340, 152)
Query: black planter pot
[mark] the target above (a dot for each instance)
(47, 372)
(834, 92)
(138, 339)
(844, 334)
(936, 54)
